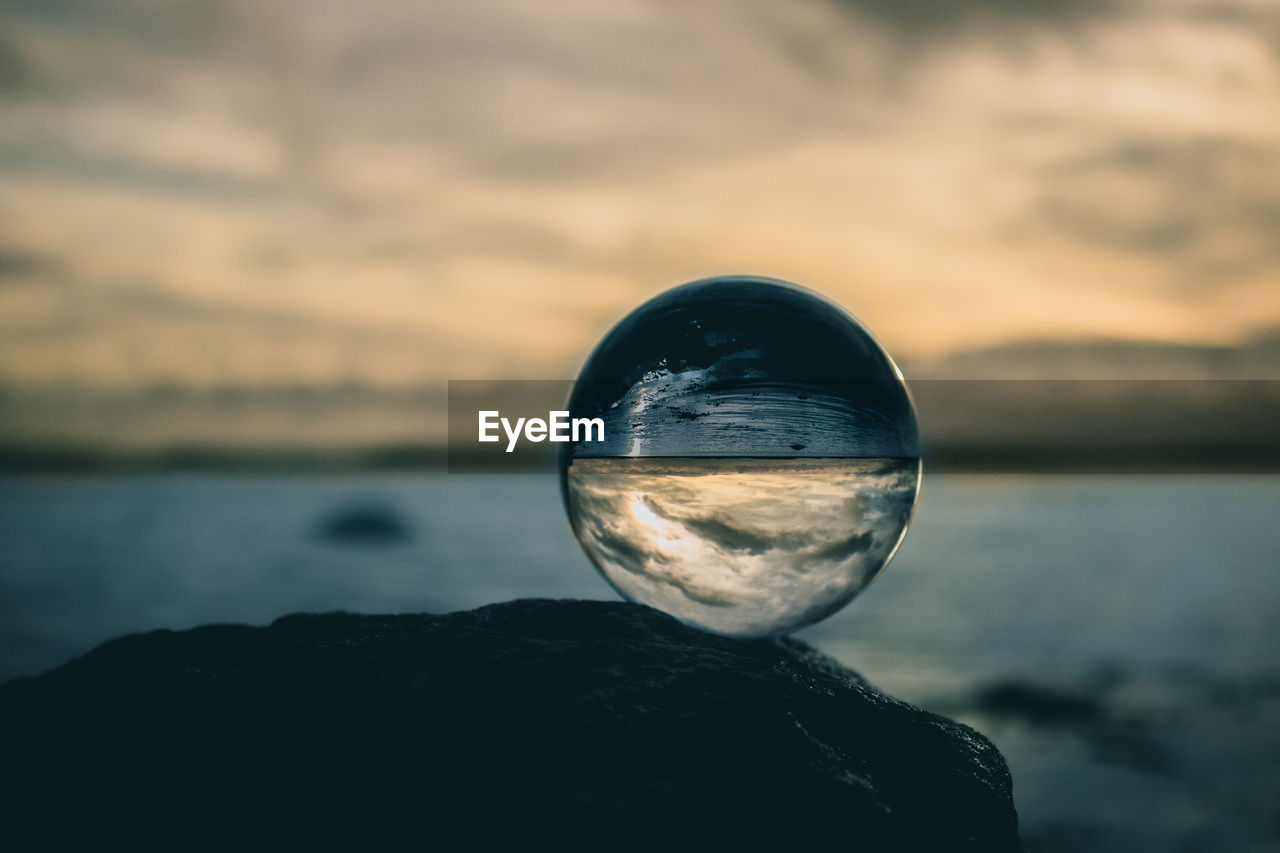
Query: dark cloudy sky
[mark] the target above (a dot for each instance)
(245, 193)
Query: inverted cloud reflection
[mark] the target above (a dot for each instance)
(742, 546)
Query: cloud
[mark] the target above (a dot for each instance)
(504, 181)
(63, 161)
(20, 265)
(178, 29)
(1255, 357)
(1209, 204)
(925, 19)
(15, 69)
(844, 549)
(623, 552)
(729, 537)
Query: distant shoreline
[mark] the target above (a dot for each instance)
(967, 458)
(1005, 426)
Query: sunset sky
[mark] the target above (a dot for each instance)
(212, 194)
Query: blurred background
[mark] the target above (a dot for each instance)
(229, 224)
(245, 243)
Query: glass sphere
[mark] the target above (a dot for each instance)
(759, 460)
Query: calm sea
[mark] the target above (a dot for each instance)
(1116, 637)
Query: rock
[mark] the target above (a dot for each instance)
(1115, 736)
(1039, 705)
(365, 524)
(576, 723)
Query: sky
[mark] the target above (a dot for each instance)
(236, 195)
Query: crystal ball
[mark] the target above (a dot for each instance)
(759, 461)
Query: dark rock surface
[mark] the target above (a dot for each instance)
(579, 724)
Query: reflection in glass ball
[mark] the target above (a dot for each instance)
(760, 458)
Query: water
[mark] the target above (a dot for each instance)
(1154, 601)
(743, 547)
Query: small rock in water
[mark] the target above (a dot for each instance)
(365, 524)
